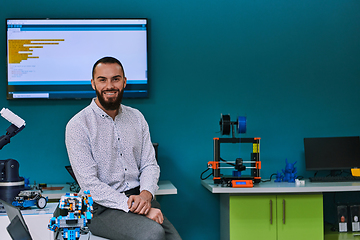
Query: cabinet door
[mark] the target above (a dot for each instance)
(252, 217)
(300, 216)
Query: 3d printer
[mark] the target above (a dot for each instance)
(235, 180)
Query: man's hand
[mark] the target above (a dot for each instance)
(140, 204)
(156, 215)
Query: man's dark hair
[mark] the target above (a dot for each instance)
(107, 60)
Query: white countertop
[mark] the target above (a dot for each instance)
(285, 187)
(165, 188)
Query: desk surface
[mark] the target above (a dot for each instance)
(285, 187)
(165, 188)
(36, 220)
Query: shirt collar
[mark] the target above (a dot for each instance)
(101, 112)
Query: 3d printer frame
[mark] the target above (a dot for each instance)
(237, 181)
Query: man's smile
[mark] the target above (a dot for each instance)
(110, 93)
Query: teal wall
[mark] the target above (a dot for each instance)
(291, 67)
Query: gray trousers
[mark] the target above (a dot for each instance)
(118, 225)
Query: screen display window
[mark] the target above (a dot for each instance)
(53, 58)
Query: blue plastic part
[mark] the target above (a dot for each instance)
(241, 124)
(236, 174)
(289, 173)
(278, 177)
(26, 182)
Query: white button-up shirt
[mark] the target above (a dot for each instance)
(111, 156)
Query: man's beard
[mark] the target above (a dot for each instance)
(112, 104)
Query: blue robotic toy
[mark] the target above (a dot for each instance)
(75, 212)
(28, 198)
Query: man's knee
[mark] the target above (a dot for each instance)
(156, 232)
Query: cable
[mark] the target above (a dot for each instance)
(270, 178)
(232, 164)
(201, 176)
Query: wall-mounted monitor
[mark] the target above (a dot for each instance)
(332, 153)
(53, 58)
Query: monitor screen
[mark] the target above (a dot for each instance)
(53, 58)
(332, 153)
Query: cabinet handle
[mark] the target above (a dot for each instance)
(271, 212)
(283, 203)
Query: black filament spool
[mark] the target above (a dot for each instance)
(225, 125)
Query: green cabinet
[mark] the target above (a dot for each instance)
(276, 217)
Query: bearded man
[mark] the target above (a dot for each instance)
(111, 153)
